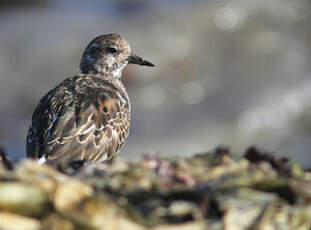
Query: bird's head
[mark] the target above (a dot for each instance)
(109, 54)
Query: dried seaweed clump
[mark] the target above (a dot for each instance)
(216, 190)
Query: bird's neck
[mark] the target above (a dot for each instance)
(108, 68)
(117, 72)
(102, 70)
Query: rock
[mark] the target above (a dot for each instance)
(22, 198)
(217, 190)
(10, 221)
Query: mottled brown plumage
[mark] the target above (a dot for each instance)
(87, 116)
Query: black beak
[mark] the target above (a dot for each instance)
(134, 59)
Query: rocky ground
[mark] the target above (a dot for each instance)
(216, 190)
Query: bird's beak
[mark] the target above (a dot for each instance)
(134, 59)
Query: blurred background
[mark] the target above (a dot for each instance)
(234, 72)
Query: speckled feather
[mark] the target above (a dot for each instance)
(87, 116)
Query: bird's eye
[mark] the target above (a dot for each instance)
(111, 50)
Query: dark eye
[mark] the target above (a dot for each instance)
(111, 50)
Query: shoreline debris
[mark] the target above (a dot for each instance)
(218, 190)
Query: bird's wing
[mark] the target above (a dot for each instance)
(42, 120)
(92, 129)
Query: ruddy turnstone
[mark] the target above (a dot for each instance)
(87, 116)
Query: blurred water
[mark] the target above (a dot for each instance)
(227, 72)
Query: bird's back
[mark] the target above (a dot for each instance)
(86, 117)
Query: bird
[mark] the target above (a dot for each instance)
(87, 116)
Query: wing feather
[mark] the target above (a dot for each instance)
(94, 129)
